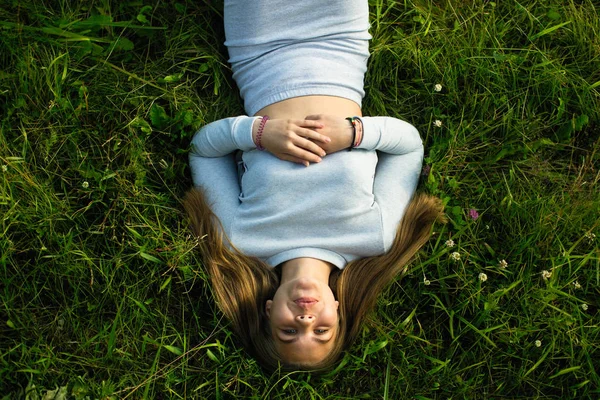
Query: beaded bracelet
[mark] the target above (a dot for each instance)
(259, 132)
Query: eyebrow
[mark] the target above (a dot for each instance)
(315, 339)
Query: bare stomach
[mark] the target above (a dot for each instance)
(301, 107)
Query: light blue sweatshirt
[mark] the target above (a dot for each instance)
(349, 205)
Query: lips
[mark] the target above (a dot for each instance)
(305, 301)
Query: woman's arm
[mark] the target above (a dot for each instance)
(224, 136)
(400, 157)
(396, 179)
(390, 135)
(384, 134)
(212, 159)
(218, 179)
(291, 140)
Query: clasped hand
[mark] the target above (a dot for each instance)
(305, 141)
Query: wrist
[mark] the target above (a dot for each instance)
(360, 131)
(258, 130)
(357, 129)
(255, 124)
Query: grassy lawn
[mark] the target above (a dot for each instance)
(103, 294)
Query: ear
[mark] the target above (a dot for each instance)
(337, 304)
(268, 308)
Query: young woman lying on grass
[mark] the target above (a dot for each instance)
(304, 215)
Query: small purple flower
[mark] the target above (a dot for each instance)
(426, 169)
(473, 214)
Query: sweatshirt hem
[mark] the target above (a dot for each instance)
(312, 252)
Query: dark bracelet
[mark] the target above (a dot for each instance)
(352, 122)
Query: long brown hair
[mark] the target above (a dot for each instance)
(242, 284)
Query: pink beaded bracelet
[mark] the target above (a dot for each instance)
(358, 125)
(259, 132)
(357, 132)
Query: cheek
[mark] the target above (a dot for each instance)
(330, 315)
(279, 314)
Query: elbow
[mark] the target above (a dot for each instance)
(200, 146)
(196, 144)
(198, 151)
(415, 137)
(413, 132)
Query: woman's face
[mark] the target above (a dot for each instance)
(304, 320)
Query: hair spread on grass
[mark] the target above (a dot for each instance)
(243, 284)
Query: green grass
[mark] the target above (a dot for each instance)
(103, 294)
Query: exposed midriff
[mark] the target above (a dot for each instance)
(303, 106)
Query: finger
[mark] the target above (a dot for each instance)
(310, 146)
(295, 160)
(307, 123)
(305, 155)
(312, 135)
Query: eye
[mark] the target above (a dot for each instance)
(321, 331)
(289, 331)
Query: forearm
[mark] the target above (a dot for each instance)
(390, 135)
(224, 136)
(384, 134)
(290, 140)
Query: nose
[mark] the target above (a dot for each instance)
(305, 319)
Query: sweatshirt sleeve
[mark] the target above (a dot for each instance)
(213, 164)
(390, 135)
(398, 169)
(224, 136)
(217, 177)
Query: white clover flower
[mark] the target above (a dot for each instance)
(577, 285)
(85, 185)
(584, 307)
(455, 256)
(4, 168)
(538, 343)
(503, 264)
(482, 277)
(437, 123)
(437, 87)
(449, 243)
(426, 282)
(546, 274)
(590, 236)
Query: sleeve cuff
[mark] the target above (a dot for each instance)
(371, 135)
(243, 133)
